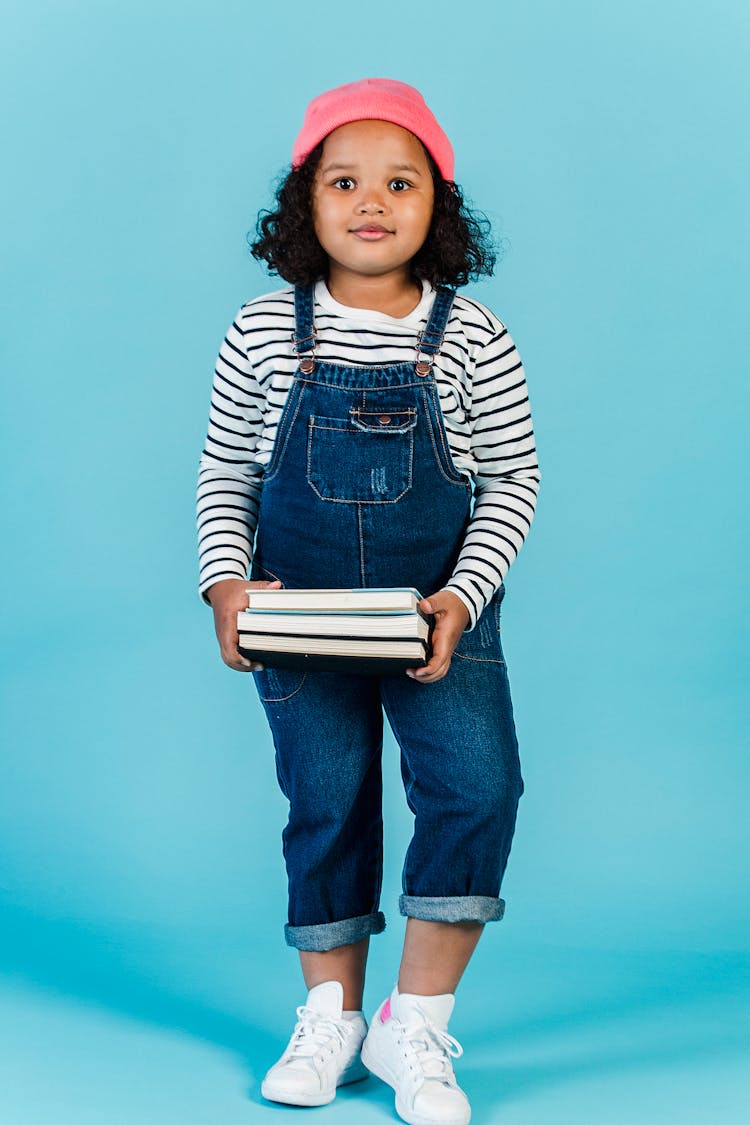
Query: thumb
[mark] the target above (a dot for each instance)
(442, 601)
(434, 603)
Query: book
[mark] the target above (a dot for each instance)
(372, 626)
(338, 646)
(331, 662)
(395, 599)
(371, 631)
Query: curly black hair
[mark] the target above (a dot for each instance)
(458, 247)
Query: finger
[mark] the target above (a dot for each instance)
(430, 668)
(248, 663)
(237, 660)
(428, 675)
(442, 649)
(435, 603)
(439, 662)
(240, 657)
(243, 665)
(435, 668)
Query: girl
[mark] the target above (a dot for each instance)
(354, 414)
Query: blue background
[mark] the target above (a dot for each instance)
(143, 971)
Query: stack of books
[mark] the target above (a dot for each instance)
(378, 631)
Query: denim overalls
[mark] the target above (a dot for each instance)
(361, 490)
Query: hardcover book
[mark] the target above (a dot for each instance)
(369, 631)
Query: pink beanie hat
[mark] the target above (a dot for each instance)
(379, 99)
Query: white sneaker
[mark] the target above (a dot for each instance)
(323, 1052)
(408, 1047)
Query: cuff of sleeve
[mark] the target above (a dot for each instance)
(473, 613)
(206, 585)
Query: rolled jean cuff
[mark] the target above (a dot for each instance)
(330, 935)
(460, 908)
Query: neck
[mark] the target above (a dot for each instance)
(396, 294)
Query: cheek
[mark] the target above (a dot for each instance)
(325, 219)
(421, 218)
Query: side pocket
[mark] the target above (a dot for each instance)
(483, 642)
(277, 685)
(496, 603)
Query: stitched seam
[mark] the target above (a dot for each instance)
(442, 437)
(267, 571)
(383, 428)
(383, 410)
(363, 428)
(361, 417)
(290, 426)
(478, 659)
(338, 500)
(369, 387)
(283, 698)
(438, 462)
(361, 545)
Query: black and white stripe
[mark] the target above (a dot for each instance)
(483, 396)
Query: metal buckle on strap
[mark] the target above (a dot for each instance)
(306, 357)
(423, 366)
(303, 340)
(421, 338)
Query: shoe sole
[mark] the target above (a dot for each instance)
(384, 1074)
(355, 1072)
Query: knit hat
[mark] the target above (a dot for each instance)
(379, 99)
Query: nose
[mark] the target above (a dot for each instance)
(371, 204)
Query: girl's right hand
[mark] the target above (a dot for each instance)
(227, 598)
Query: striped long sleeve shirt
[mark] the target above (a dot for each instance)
(483, 397)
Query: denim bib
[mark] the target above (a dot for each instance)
(361, 489)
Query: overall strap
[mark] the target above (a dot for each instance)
(430, 338)
(303, 337)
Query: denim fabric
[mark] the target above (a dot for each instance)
(361, 491)
(461, 908)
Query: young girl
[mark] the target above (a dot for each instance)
(354, 415)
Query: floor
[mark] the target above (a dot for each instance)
(106, 1031)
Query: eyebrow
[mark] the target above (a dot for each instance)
(394, 167)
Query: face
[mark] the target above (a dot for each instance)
(372, 197)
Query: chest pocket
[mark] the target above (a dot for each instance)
(366, 458)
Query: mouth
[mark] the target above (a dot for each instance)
(371, 232)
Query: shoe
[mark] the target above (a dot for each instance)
(322, 1054)
(409, 1047)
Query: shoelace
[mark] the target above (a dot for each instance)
(314, 1030)
(433, 1047)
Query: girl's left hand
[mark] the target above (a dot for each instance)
(451, 618)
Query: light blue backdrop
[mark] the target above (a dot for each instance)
(607, 143)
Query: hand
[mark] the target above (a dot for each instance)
(451, 618)
(227, 598)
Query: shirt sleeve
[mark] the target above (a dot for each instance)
(507, 476)
(229, 478)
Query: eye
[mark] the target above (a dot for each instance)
(347, 180)
(399, 185)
